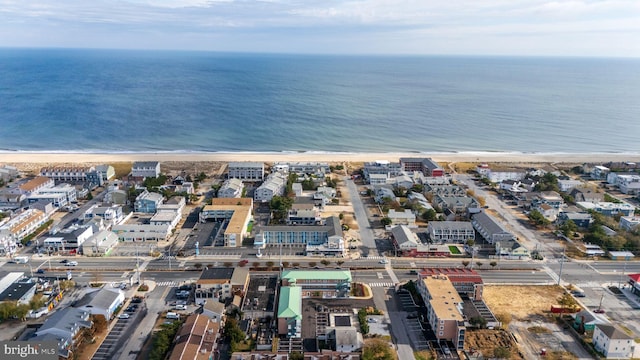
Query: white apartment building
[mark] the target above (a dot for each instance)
(232, 188)
(146, 169)
(18, 227)
(250, 171)
(274, 185)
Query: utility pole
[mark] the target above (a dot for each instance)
(624, 269)
(561, 264)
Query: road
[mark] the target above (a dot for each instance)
(366, 233)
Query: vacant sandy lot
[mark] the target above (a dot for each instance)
(521, 301)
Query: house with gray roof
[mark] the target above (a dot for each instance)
(148, 202)
(612, 342)
(232, 188)
(103, 302)
(64, 327)
(490, 229)
(456, 204)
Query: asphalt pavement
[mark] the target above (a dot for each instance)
(366, 233)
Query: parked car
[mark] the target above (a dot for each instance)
(578, 294)
(599, 311)
(123, 316)
(181, 307)
(40, 271)
(64, 261)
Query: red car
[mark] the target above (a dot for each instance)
(243, 262)
(599, 311)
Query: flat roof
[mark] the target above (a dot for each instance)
(444, 297)
(317, 274)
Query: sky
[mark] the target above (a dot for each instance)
(602, 28)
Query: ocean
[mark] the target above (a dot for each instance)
(56, 100)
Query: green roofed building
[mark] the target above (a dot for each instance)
(319, 283)
(290, 311)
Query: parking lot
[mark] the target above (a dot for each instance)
(120, 333)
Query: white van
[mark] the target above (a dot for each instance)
(172, 315)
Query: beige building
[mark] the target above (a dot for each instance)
(236, 211)
(444, 309)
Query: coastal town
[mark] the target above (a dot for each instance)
(403, 258)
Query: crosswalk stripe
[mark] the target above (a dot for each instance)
(166, 283)
(125, 274)
(381, 284)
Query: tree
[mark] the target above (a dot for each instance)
(478, 321)
(296, 355)
(197, 265)
(270, 264)
(89, 196)
(502, 352)
(537, 218)
(493, 264)
(504, 318)
(285, 264)
(429, 215)
(325, 262)
(465, 263)
(312, 264)
(569, 228)
(256, 264)
(479, 263)
(385, 221)
(99, 323)
(339, 262)
(37, 301)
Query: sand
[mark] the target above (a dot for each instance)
(26, 157)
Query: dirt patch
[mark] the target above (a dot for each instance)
(486, 341)
(521, 302)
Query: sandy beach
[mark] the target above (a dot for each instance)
(94, 158)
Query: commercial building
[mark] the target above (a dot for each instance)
(319, 283)
(219, 284)
(99, 244)
(444, 309)
(141, 232)
(248, 171)
(290, 311)
(104, 301)
(467, 282)
(303, 235)
(236, 212)
(21, 292)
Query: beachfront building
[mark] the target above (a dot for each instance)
(67, 174)
(444, 309)
(319, 283)
(381, 167)
(145, 169)
(246, 170)
(148, 202)
(608, 208)
(274, 185)
(232, 188)
(498, 175)
(106, 172)
(36, 184)
(8, 172)
(18, 227)
(599, 172)
(317, 169)
(450, 231)
(424, 165)
(237, 214)
(629, 184)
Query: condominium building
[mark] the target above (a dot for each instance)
(444, 309)
(451, 231)
(18, 227)
(249, 171)
(237, 212)
(232, 188)
(67, 174)
(274, 185)
(145, 169)
(425, 165)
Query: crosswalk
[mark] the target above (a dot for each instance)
(167, 257)
(167, 283)
(373, 258)
(381, 284)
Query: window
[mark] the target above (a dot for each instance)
(441, 333)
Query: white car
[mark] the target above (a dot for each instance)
(123, 316)
(384, 261)
(71, 263)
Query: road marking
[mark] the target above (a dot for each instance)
(167, 283)
(182, 263)
(381, 284)
(413, 265)
(125, 274)
(380, 276)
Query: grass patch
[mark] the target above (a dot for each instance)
(250, 226)
(122, 169)
(423, 355)
(454, 250)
